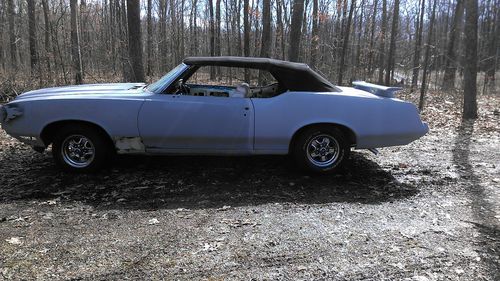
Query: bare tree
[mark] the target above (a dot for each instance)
(470, 68)
(372, 37)
(163, 35)
(314, 35)
(12, 34)
(382, 42)
(418, 46)
(2, 18)
(47, 37)
(345, 42)
(451, 52)
(149, 39)
(75, 43)
(493, 43)
(265, 46)
(32, 38)
(392, 46)
(212, 36)
(427, 57)
(280, 29)
(135, 40)
(342, 39)
(266, 29)
(296, 30)
(246, 36)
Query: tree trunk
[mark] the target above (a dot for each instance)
(47, 37)
(265, 46)
(266, 29)
(32, 38)
(450, 67)
(372, 37)
(427, 57)
(314, 35)
(218, 43)
(135, 40)
(238, 24)
(392, 47)
(173, 39)
(470, 69)
(163, 35)
(345, 42)
(181, 35)
(296, 30)
(280, 30)
(149, 39)
(212, 36)
(493, 41)
(418, 43)
(246, 35)
(123, 40)
(2, 27)
(85, 50)
(75, 43)
(12, 35)
(383, 31)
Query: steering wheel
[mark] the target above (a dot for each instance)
(181, 88)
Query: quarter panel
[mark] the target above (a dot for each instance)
(376, 121)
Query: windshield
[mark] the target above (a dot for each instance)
(167, 79)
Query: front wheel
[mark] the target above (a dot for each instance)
(321, 149)
(80, 149)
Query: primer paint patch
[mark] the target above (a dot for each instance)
(129, 145)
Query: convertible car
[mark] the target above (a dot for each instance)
(291, 109)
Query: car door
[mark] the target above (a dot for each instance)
(173, 123)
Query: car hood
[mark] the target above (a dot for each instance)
(88, 89)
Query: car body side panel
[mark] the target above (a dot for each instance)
(220, 125)
(375, 121)
(197, 124)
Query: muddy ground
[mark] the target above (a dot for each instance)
(426, 211)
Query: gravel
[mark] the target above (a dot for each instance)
(426, 211)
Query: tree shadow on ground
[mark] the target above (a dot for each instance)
(483, 211)
(137, 182)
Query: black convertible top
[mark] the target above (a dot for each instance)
(291, 75)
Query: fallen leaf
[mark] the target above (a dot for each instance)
(153, 221)
(14, 240)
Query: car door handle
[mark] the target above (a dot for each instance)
(247, 108)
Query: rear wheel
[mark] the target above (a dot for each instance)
(80, 149)
(321, 149)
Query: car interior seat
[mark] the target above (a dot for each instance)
(242, 91)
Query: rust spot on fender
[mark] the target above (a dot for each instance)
(129, 145)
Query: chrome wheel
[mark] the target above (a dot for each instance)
(323, 150)
(78, 151)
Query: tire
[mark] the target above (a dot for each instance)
(80, 149)
(321, 149)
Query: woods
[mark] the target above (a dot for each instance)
(423, 44)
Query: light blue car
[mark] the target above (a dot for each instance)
(301, 114)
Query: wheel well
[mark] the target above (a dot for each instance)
(351, 136)
(49, 132)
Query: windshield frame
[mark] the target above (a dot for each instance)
(162, 84)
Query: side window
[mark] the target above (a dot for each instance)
(232, 82)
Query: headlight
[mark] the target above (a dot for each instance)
(10, 112)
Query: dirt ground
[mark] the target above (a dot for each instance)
(426, 211)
